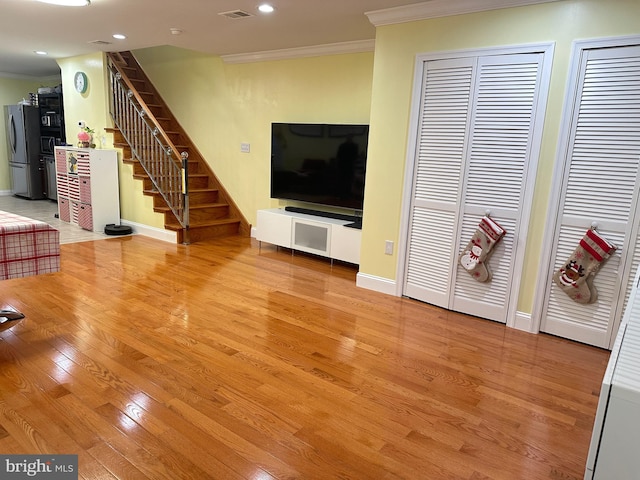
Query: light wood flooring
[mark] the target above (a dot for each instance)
(223, 360)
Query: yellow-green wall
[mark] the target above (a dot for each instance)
(223, 105)
(396, 49)
(12, 91)
(92, 107)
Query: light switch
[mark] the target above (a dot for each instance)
(245, 147)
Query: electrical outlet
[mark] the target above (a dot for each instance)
(388, 247)
(245, 147)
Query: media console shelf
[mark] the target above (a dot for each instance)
(325, 236)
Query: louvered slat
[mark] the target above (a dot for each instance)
(429, 263)
(506, 96)
(443, 131)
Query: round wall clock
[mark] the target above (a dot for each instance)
(81, 82)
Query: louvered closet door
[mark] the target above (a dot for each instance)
(474, 149)
(600, 184)
(441, 151)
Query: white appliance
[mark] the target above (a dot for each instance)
(613, 453)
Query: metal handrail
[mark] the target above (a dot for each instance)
(151, 146)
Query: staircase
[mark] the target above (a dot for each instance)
(173, 172)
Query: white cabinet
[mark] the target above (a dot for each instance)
(87, 182)
(328, 237)
(613, 452)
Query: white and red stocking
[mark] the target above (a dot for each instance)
(473, 258)
(575, 277)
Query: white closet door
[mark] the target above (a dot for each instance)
(441, 151)
(600, 185)
(473, 154)
(496, 176)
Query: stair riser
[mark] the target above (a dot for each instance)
(204, 214)
(197, 198)
(197, 234)
(193, 168)
(194, 183)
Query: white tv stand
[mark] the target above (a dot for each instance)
(315, 234)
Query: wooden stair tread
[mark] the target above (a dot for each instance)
(194, 207)
(125, 144)
(203, 224)
(190, 161)
(191, 190)
(144, 175)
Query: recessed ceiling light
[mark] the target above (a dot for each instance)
(68, 3)
(266, 8)
(40, 52)
(119, 36)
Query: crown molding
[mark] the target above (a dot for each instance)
(33, 78)
(441, 8)
(358, 46)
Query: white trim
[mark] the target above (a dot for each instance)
(409, 169)
(544, 272)
(254, 232)
(33, 78)
(5, 193)
(527, 201)
(522, 322)
(153, 232)
(539, 47)
(357, 46)
(441, 8)
(378, 284)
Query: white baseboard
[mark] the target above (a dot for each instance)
(378, 284)
(254, 231)
(523, 322)
(5, 193)
(153, 232)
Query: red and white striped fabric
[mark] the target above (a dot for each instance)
(27, 247)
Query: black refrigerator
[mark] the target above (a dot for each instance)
(27, 168)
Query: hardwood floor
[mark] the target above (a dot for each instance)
(227, 361)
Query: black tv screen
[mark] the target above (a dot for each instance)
(319, 163)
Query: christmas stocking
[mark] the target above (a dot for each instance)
(575, 278)
(474, 256)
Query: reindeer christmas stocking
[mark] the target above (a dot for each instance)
(575, 278)
(473, 258)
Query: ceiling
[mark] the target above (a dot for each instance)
(28, 25)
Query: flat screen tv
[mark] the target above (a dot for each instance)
(323, 164)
